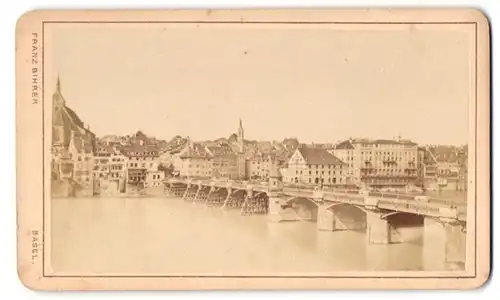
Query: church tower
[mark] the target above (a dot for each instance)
(57, 98)
(241, 137)
(241, 161)
(58, 103)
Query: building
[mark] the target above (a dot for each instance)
(225, 162)
(118, 165)
(110, 169)
(102, 155)
(194, 161)
(451, 167)
(71, 150)
(142, 161)
(427, 169)
(259, 165)
(154, 179)
(81, 150)
(379, 163)
(315, 166)
(290, 144)
(64, 122)
(261, 157)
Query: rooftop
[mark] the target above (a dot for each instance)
(195, 150)
(314, 156)
(349, 144)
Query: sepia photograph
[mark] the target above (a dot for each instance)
(210, 145)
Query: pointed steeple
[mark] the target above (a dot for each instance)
(58, 86)
(241, 137)
(189, 147)
(57, 98)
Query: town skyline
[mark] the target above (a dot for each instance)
(231, 132)
(341, 85)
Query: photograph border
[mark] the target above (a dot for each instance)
(476, 121)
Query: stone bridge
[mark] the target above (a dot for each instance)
(385, 217)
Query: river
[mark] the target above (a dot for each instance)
(165, 236)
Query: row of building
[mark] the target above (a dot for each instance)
(112, 164)
(380, 164)
(83, 165)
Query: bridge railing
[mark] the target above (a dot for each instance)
(428, 208)
(305, 188)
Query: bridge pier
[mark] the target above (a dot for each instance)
(334, 217)
(278, 209)
(190, 192)
(228, 198)
(202, 195)
(444, 243)
(174, 190)
(216, 197)
(378, 230)
(237, 199)
(326, 219)
(167, 189)
(255, 203)
(275, 211)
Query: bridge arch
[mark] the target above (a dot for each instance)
(301, 199)
(403, 219)
(348, 216)
(339, 204)
(305, 208)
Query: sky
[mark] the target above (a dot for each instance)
(315, 83)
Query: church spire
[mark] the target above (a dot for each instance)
(189, 146)
(57, 98)
(241, 137)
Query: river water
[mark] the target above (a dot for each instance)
(166, 236)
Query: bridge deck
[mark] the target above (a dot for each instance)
(402, 202)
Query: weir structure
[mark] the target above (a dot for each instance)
(386, 218)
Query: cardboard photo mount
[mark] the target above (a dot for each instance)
(33, 111)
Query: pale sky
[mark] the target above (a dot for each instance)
(318, 84)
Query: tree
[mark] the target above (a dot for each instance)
(168, 170)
